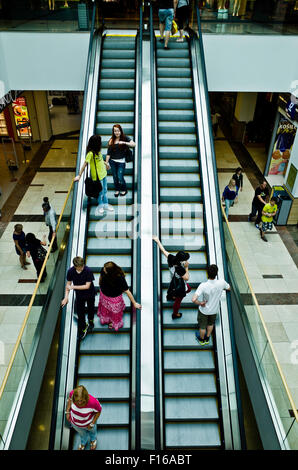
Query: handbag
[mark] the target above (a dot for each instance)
(41, 253)
(128, 155)
(93, 188)
(174, 29)
(176, 288)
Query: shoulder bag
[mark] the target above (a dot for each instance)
(93, 188)
(176, 288)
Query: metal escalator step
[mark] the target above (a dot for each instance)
(175, 93)
(182, 179)
(104, 365)
(176, 127)
(116, 246)
(178, 166)
(182, 339)
(173, 82)
(175, 103)
(120, 83)
(172, 62)
(109, 53)
(96, 262)
(188, 242)
(178, 152)
(176, 53)
(188, 319)
(191, 408)
(181, 226)
(196, 260)
(175, 115)
(187, 139)
(114, 413)
(116, 201)
(118, 64)
(109, 117)
(112, 104)
(172, 44)
(103, 229)
(109, 94)
(182, 72)
(118, 343)
(185, 384)
(198, 435)
(116, 438)
(189, 361)
(115, 73)
(182, 210)
(181, 194)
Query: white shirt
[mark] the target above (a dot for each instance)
(211, 291)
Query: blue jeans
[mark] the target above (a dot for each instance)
(103, 195)
(86, 434)
(228, 202)
(118, 170)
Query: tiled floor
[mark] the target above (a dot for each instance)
(271, 267)
(15, 293)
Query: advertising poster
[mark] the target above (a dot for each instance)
(281, 153)
(21, 117)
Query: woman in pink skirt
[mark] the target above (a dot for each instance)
(112, 284)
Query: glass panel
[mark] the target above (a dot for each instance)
(20, 365)
(46, 15)
(281, 402)
(248, 17)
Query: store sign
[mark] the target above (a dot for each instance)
(21, 117)
(281, 153)
(8, 98)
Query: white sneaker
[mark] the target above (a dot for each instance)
(109, 208)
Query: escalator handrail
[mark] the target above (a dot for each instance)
(222, 239)
(156, 254)
(75, 202)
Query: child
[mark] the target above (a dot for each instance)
(269, 211)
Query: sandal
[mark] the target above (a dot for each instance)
(93, 445)
(116, 194)
(81, 447)
(176, 315)
(123, 193)
(110, 326)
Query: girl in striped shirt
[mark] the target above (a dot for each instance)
(83, 410)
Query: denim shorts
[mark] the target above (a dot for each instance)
(166, 16)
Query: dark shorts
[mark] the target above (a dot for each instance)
(205, 320)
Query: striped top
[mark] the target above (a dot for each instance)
(83, 416)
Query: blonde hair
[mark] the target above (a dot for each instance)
(78, 262)
(80, 393)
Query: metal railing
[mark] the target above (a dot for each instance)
(24, 349)
(269, 368)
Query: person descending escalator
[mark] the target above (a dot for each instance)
(178, 266)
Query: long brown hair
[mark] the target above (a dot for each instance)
(112, 272)
(113, 138)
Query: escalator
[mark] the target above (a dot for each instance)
(104, 357)
(191, 392)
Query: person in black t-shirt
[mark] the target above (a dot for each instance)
(259, 200)
(112, 284)
(178, 266)
(80, 279)
(115, 157)
(238, 177)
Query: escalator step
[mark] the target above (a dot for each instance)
(183, 179)
(183, 72)
(188, 242)
(123, 83)
(175, 103)
(118, 64)
(109, 53)
(109, 117)
(109, 341)
(175, 115)
(198, 408)
(111, 104)
(186, 384)
(116, 246)
(114, 73)
(189, 361)
(98, 365)
(204, 435)
(182, 339)
(180, 194)
(176, 127)
(175, 93)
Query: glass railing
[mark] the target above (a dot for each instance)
(19, 363)
(277, 390)
(249, 17)
(45, 15)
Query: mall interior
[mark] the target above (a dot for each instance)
(226, 97)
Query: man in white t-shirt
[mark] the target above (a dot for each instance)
(209, 293)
